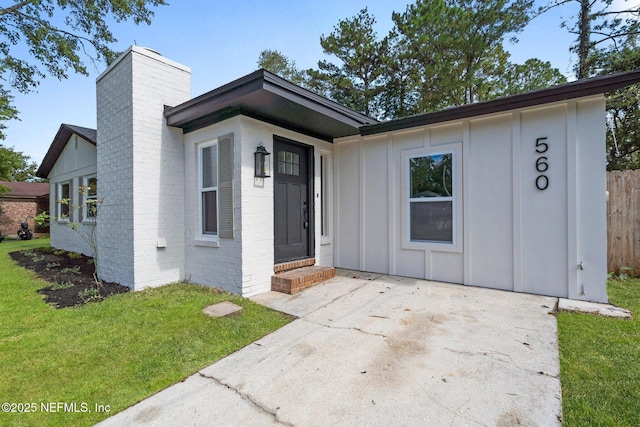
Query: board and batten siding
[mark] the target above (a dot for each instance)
(76, 162)
(509, 234)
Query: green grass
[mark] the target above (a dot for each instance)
(600, 363)
(116, 352)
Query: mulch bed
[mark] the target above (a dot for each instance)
(70, 274)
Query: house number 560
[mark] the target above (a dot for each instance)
(542, 165)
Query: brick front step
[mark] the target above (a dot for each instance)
(294, 281)
(292, 265)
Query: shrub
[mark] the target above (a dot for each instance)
(61, 285)
(89, 294)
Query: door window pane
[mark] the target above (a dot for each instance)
(288, 163)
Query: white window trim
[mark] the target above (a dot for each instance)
(326, 208)
(85, 182)
(59, 217)
(456, 244)
(200, 233)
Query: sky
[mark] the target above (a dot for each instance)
(221, 41)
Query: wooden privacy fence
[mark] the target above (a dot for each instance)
(623, 220)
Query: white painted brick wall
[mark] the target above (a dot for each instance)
(243, 265)
(115, 171)
(158, 170)
(212, 266)
(141, 170)
(149, 180)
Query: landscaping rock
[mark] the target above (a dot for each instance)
(222, 309)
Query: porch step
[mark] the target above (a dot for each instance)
(292, 265)
(294, 281)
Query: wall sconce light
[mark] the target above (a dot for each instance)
(262, 162)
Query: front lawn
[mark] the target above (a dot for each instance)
(600, 363)
(69, 366)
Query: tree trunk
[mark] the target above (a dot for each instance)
(584, 39)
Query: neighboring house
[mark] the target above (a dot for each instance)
(506, 194)
(24, 201)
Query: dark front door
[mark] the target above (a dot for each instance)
(293, 208)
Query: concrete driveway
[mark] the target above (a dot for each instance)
(380, 350)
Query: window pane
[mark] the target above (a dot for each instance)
(92, 184)
(210, 166)
(64, 194)
(431, 176)
(209, 213)
(91, 199)
(432, 221)
(92, 208)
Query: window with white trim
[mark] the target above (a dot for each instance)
(431, 197)
(90, 194)
(208, 188)
(63, 200)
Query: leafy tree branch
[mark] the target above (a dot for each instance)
(59, 35)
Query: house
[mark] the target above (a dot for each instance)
(70, 163)
(506, 194)
(24, 201)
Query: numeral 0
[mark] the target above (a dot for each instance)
(542, 165)
(542, 182)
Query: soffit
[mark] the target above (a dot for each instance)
(267, 97)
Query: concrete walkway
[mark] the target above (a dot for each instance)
(380, 350)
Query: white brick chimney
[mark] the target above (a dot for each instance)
(141, 170)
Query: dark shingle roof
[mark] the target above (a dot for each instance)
(573, 90)
(26, 190)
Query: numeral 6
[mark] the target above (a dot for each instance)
(541, 164)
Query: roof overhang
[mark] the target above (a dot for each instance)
(59, 142)
(267, 97)
(577, 89)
